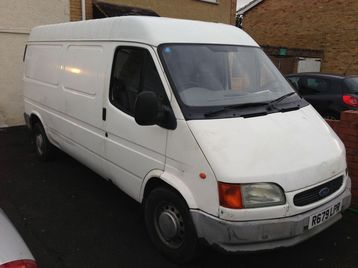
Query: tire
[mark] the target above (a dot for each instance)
(170, 226)
(44, 149)
(329, 114)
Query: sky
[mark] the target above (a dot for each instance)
(241, 3)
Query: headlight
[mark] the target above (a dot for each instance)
(252, 195)
(262, 195)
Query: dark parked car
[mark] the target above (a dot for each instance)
(329, 94)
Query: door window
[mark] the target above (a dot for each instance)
(133, 71)
(352, 84)
(317, 85)
(313, 85)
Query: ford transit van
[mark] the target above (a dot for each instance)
(192, 120)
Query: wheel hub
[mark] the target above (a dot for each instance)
(39, 143)
(168, 224)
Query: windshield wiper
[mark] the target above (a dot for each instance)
(235, 106)
(269, 104)
(275, 101)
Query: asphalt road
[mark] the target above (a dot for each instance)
(71, 217)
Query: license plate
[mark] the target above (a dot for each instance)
(324, 215)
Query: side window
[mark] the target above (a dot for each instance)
(294, 82)
(318, 85)
(133, 71)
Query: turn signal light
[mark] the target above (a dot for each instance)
(20, 264)
(350, 100)
(230, 195)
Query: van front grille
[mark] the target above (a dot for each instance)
(317, 193)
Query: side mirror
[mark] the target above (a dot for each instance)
(148, 111)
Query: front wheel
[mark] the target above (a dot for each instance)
(170, 226)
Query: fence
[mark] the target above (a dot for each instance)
(347, 130)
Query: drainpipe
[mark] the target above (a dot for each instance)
(83, 8)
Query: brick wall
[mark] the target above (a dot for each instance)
(233, 12)
(76, 11)
(223, 11)
(328, 25)
(347, 130)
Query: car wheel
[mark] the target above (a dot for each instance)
(331, 116)
(44, 149)
(170, 226)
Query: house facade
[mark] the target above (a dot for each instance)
(17, 17)
(306, 35)
(206, 10)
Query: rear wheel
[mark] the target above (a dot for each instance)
(170, 226)
(44, 149)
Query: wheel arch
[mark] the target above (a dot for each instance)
(34, 118)
(158, 178)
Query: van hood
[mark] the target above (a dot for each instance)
(293, 149)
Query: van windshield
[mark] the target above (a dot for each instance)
(205, 76)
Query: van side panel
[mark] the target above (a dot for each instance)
(83, 83)
(42, 78)
(83, 79)
(43, 64)
(64, 83)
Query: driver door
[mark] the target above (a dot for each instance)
(131, 150)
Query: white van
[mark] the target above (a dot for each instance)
(192, 120)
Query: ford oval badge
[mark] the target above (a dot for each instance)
(324, 192)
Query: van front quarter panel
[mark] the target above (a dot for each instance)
(186, 162)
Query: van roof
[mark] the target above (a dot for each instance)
(143, 29)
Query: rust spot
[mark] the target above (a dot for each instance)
(202, 175)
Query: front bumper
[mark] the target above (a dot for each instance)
(264, 234)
